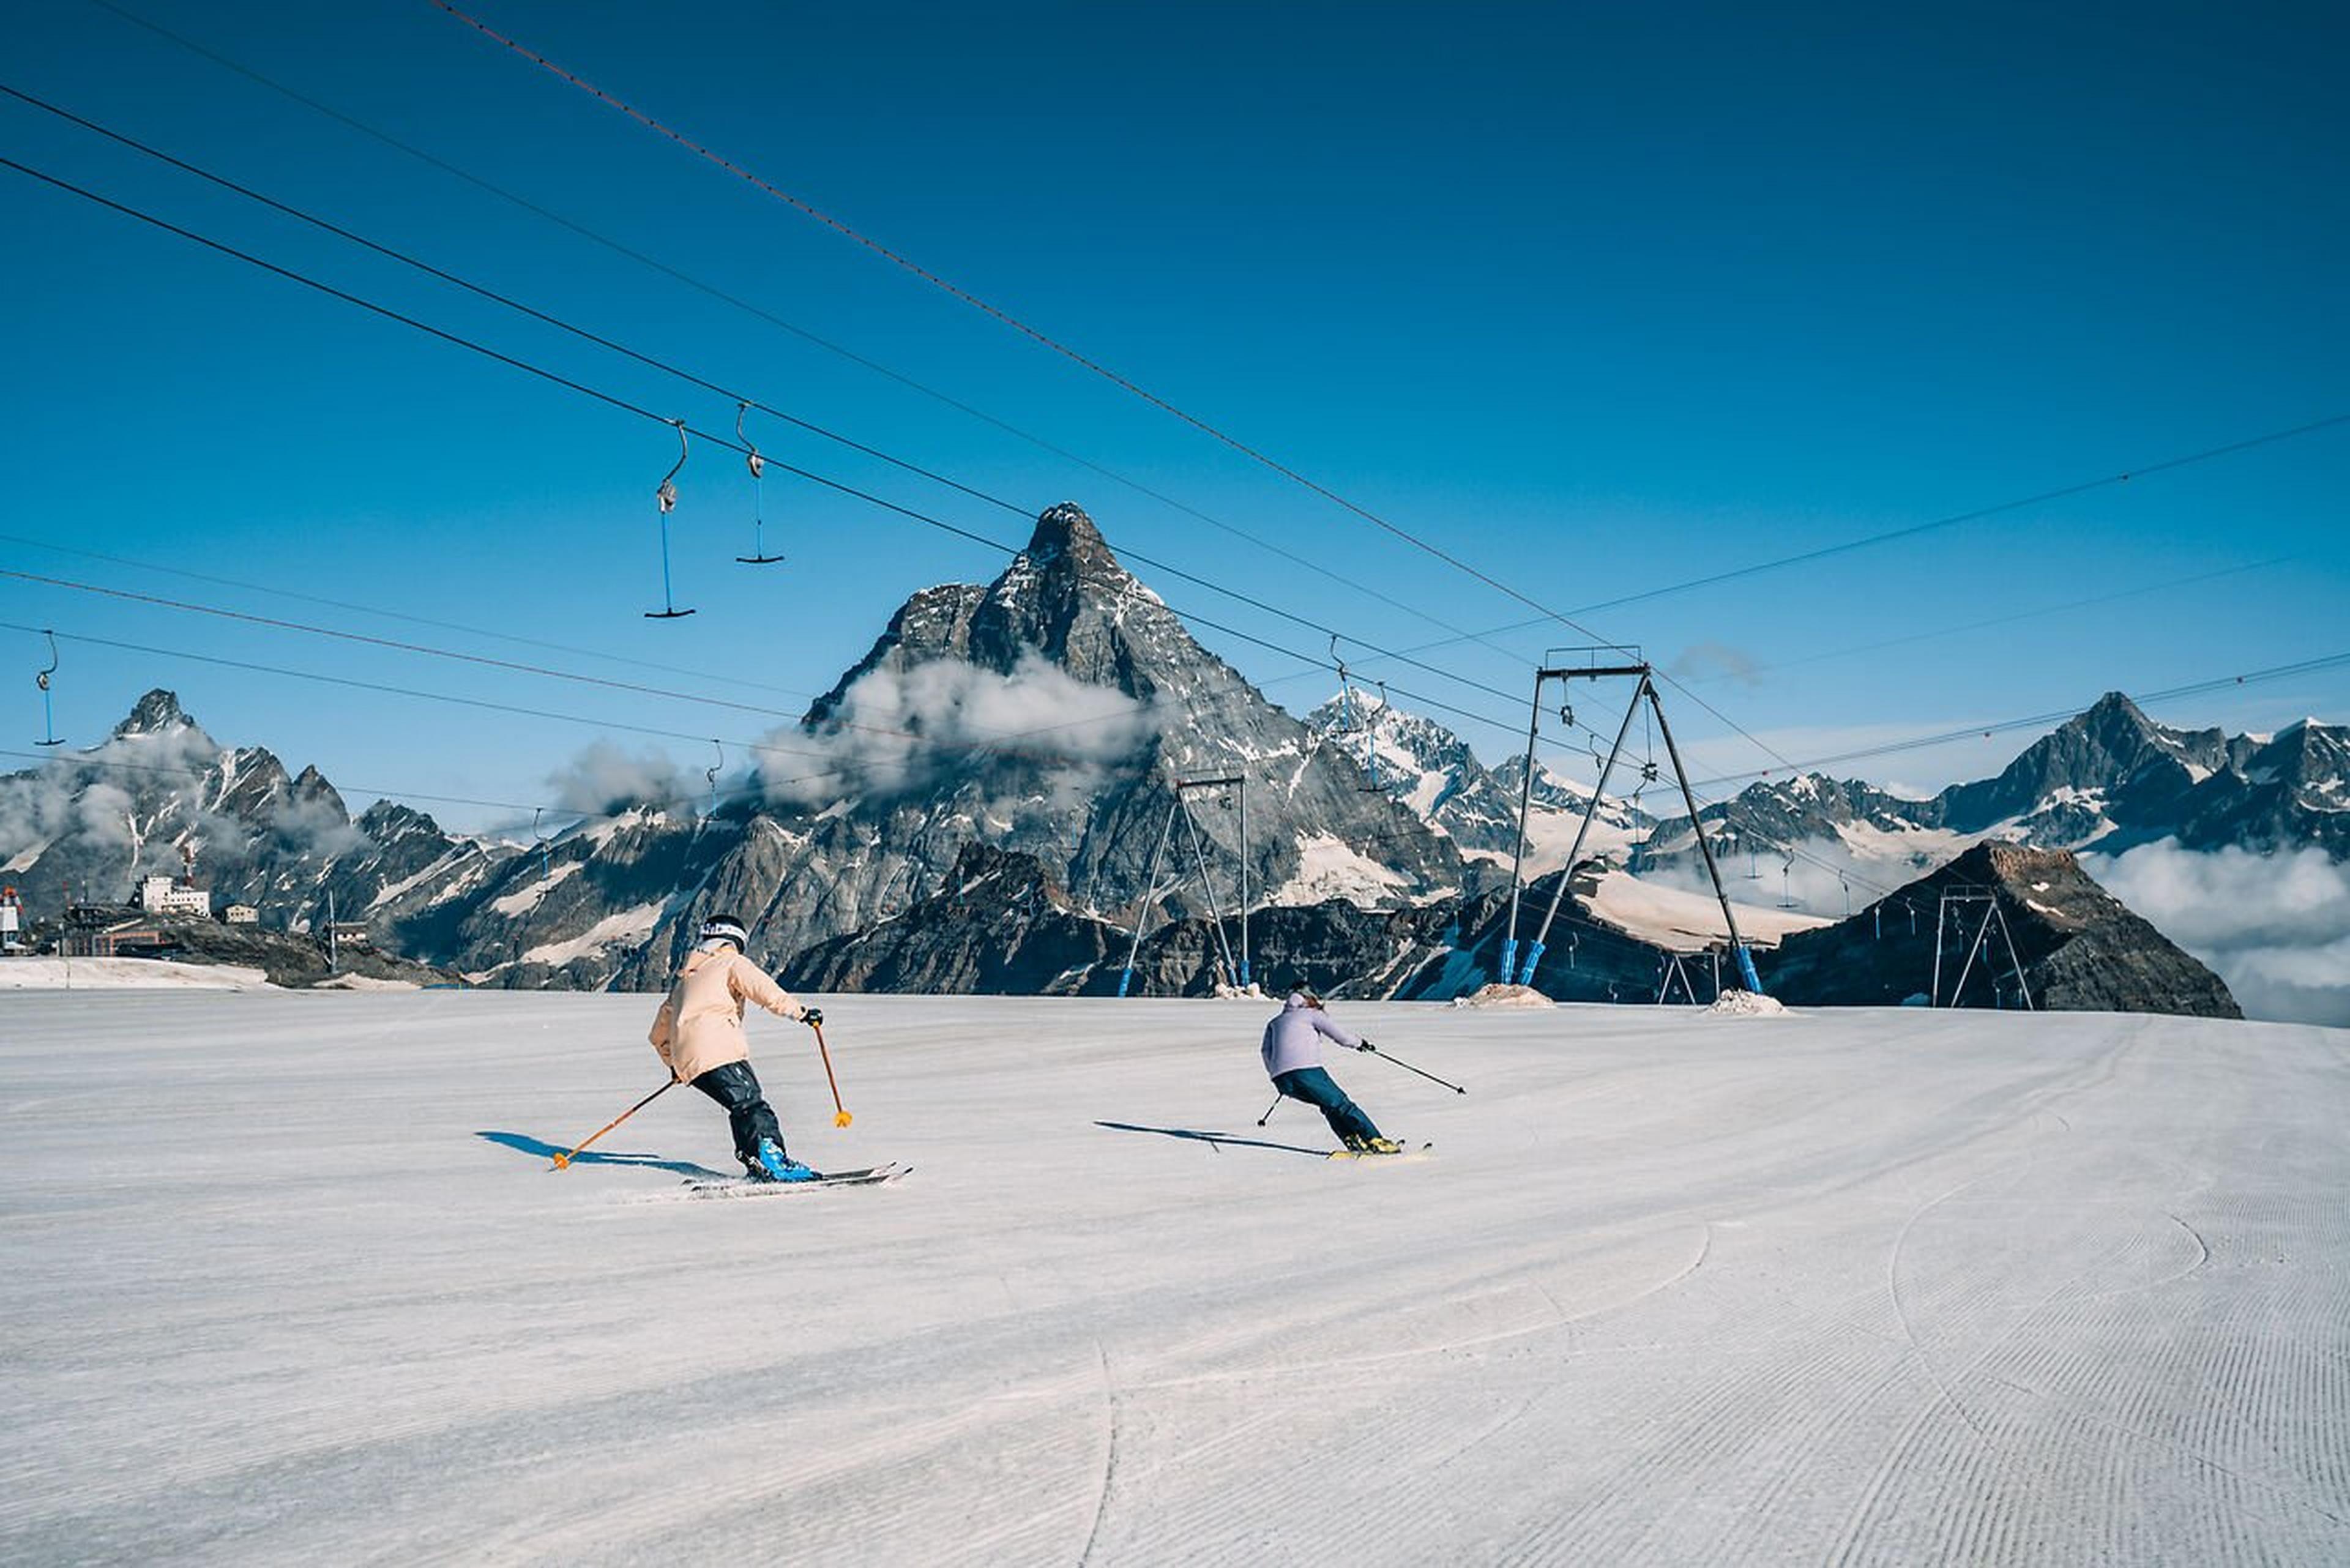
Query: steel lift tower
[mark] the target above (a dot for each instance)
(1644, 690)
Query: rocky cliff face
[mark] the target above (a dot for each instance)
(2067, 944)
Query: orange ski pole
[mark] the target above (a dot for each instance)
(840, 1117)
(563, 1161)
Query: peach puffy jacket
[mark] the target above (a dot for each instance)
(700, 1026)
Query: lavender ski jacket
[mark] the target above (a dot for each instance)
(1294, 1038)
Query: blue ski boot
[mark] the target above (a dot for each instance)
(775, 1166)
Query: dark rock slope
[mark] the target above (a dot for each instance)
(2074, 947)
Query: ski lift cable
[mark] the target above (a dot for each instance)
(626, 405)
(144, 565)
(2198, 457)
(2193, 689)
(756, 788)
(593, 393)
(486, 705)
(1035, 335)
(1461, 634)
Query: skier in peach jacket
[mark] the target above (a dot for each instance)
(698, 1037)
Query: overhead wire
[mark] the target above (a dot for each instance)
(1919, 742)
(1548, 613)
(157, 567)
(737, 302)
(1046, 340)
(1565, 619)
(2034, 614)
(653, 362)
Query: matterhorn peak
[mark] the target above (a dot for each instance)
(1066, 540)
(153, 714)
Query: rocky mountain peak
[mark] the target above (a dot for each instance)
(153, 714)
(1065, 533)
(2114, 708)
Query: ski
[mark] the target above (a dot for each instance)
(744, 1186)
(1422, 1151)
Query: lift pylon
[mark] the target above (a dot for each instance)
(1644, 690)
(1234, 966)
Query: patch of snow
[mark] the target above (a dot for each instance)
(23, 859)
(1746, 1005)
(627, 926)
(409, 884)
(126, 974)
(1687, 922)
(1330, 869)
(1498, 995)
(528, 898)
(365, 982)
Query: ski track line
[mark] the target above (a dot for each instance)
(1109, 1455)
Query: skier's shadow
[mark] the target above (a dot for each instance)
(522, 1143)
(1216, 1140)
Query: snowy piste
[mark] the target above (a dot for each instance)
(290, 1280)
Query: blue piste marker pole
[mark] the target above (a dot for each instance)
(1509, 958)
(1534, 957)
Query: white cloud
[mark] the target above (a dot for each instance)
(604, 778)
(2276, 927)
(898, 731)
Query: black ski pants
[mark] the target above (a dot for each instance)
(1317, 1088)
(736, 1088)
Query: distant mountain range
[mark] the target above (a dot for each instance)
(2108, 779)
(1046, 717)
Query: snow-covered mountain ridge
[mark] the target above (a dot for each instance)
(1048, 714)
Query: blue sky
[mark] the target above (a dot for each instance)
(1599, 299)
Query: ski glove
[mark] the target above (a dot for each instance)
(811, 1016)
(1366, 1046)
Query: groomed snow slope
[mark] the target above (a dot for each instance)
(289, 1281)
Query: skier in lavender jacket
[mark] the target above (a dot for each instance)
(1293, 1056)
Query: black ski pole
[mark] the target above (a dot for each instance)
(1409, 1068)
(1269, 1110)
